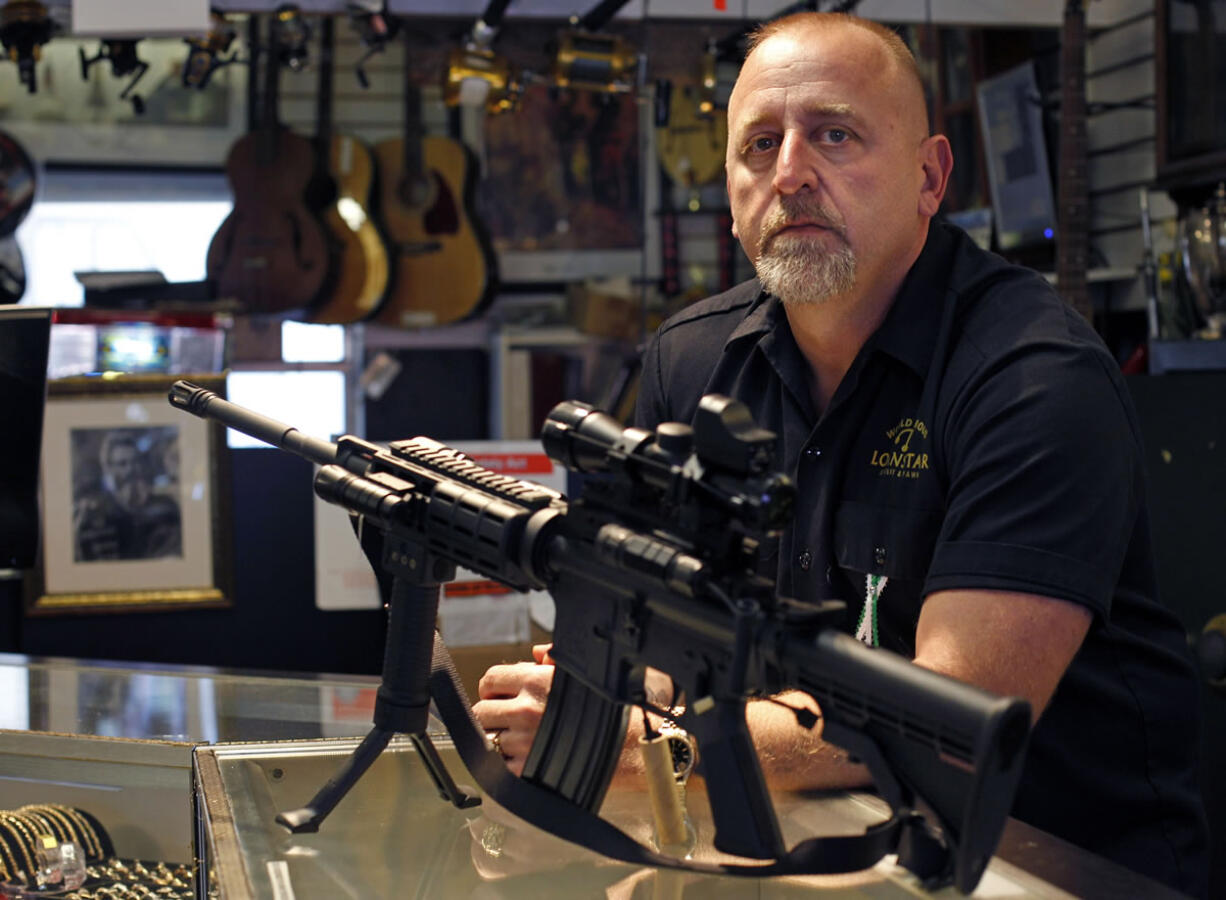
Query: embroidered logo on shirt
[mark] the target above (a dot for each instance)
(907, 455)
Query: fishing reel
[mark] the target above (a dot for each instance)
(291, 37)
(24, 27)
(204, 56)
(479, 77)
(375, 28)
(595, 62)
(121, 53)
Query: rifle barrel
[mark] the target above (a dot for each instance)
(207, 405)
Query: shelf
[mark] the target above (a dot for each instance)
(1108, 273)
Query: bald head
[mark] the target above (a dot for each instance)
(899, 71)
(829, 160)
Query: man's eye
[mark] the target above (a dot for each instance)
(763, 144)
(836, 135)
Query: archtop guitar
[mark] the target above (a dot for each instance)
(270, 253)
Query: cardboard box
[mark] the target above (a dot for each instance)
(608, 310)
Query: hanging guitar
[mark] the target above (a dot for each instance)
(670, 232)
(692, 138)
(443, 267)
(691, 133)
(18, 180)
(270, 253)
(1072, 249)
(340, 195)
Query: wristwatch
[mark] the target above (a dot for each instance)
(681, 747)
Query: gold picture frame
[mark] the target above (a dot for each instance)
(136, 498)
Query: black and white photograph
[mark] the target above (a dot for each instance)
(126, 493)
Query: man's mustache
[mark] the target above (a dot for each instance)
(800, 209)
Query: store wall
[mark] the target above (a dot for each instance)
(1121, 129)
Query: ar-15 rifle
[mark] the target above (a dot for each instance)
(652, 566)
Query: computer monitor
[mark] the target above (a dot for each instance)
(25, 335)
(1010, 116)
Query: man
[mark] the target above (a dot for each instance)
(968, 464)
(127, 519)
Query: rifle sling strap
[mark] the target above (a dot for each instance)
(557, 815)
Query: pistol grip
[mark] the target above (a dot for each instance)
(745, 823)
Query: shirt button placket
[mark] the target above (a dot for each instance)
(804, 559)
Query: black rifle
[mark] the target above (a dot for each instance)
(654, 565)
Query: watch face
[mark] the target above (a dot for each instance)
(683, 756)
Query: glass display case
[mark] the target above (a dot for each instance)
(187, 768)
(192, 704)
(393, 836)
(115, 740)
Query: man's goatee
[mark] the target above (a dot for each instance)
(795, 268)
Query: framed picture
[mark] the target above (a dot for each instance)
(135, 498)
(83, 119)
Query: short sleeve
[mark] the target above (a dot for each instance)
(1044, 470)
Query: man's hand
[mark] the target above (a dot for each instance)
(512, 700)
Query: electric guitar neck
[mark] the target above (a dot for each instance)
(1073, 220)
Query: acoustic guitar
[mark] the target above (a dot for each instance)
(342, 191)
(270, 253)
(443, 267)
(1073, 200)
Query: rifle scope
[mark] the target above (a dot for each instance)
(725, 455)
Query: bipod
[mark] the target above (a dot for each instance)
(402, 705)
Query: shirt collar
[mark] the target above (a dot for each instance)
(761, 317)
(910, 329)
(909, 332)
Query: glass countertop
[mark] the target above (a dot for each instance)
(392, 836)
(191, 704)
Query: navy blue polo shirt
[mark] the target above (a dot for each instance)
(982, 438)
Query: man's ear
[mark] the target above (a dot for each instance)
(937, 161)
(728, 188)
